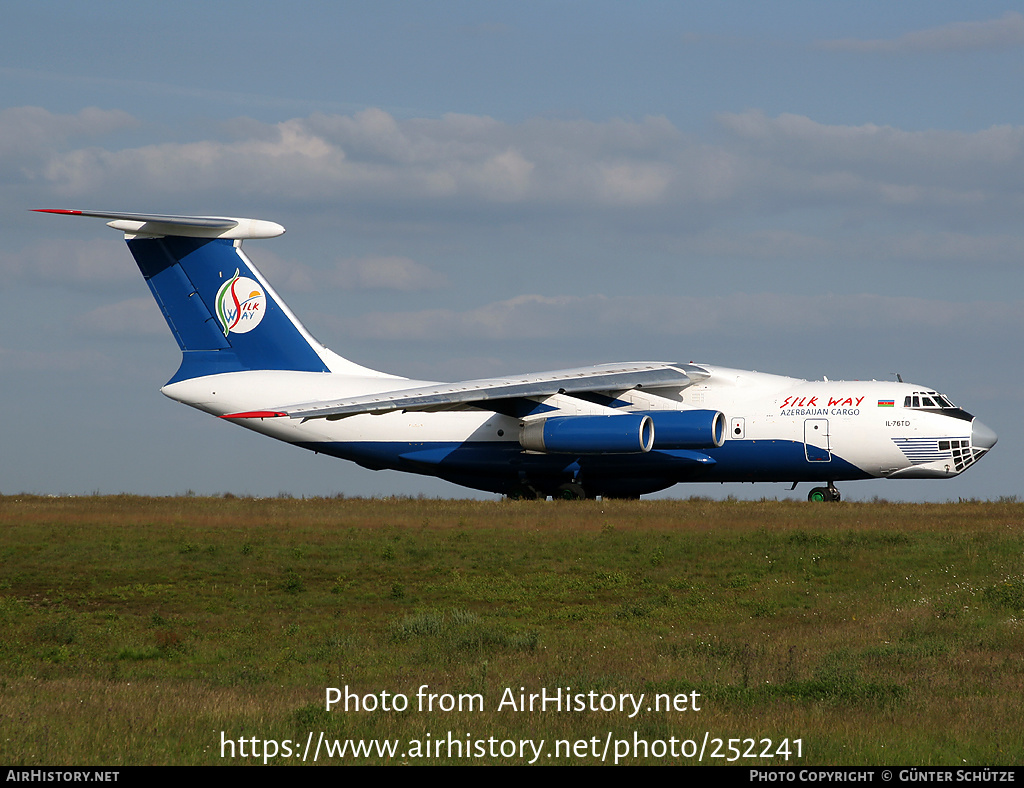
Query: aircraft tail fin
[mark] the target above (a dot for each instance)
(222, 312)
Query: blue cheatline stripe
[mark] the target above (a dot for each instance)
(185, 275)
(764, 461)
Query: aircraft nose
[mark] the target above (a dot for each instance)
(981, 436)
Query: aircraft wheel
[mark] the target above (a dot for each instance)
(819, 494)
(570, 491)
(830, 494)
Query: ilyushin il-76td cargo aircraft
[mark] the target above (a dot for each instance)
(611, 430)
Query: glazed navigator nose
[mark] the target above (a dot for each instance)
(981, 436)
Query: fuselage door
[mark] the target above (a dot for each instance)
(816, 445)
(736, 429)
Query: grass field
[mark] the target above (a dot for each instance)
(147, 630)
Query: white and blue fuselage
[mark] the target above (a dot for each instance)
(777, 429)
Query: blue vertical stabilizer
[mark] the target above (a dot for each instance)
(219, 308)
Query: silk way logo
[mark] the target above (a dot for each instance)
(241, 303)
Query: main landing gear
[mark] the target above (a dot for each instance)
(525, 492)
(829, 493)
(570, 491)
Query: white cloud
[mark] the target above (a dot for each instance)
(132, 317)
(797, 137)
(958, 247)
(286, 276)
(31, 130)
(375, 272)
(73, 264)
(292, 155)
(371, 154)
(383, 273)
(797, 156)
(915, 246)
(537, 317)
(618, 171)
(527, 317)
(1003, 33)
(632, 183)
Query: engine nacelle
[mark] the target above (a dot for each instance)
(631, 433)
(688, 429)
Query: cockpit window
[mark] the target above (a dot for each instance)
(926, 399)
(932, 400)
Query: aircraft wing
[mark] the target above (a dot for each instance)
(481, 393)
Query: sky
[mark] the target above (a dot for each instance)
(475, 189)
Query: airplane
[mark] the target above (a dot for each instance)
(612, 430)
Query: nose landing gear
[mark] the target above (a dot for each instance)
(829, 493)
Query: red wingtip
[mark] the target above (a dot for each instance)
(254, 414)
(56, 210)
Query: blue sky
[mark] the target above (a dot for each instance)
(798, 187)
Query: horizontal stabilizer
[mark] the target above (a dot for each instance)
(158, 224)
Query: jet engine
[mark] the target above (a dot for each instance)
(631, 433)
(688, 429)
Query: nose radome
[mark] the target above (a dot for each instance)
(981, 436)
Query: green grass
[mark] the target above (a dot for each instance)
(137, 630)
